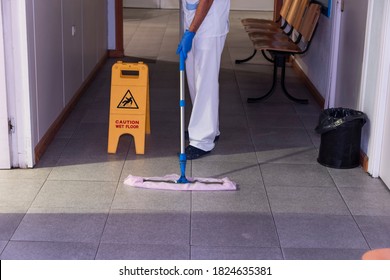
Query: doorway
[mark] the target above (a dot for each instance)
(5, 160)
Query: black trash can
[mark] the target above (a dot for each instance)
(340, 130)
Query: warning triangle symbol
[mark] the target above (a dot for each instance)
(128, 102)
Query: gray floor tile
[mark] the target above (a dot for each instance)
(266, 139)
(322, 254)
(18, 193)
(270, 109)
(319, 231)
(374, 202)
(233, 229)
(37, 173)
(151, 167)
(2, 246)
(244, 200)
(49, 251)
(306, 155)
(128, 197)
(55, 149)
(100, 113)
(88, 169)
(310, 122)
(299, 175)
(259, 120)
(161, 101)
(83, 148)
(61, 225)
(355, 178)
(235, 253)
(234, 145)
(111, 251)
(91, 131)
(147, 227)
(315, 138)
(245, 174)
(375, 230)
(234, 120)
(10, 219)
(76, 194)
(306, 200)
(158, 146)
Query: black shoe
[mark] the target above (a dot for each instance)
(187, 137)
(195, 153)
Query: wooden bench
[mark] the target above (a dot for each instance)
(279, 23)
(268, 26)
(291, 17)
(280, 46)
(292, 21)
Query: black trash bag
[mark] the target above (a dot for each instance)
(340, 131)
(332, 118)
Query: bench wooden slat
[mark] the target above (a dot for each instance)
(306, 30)
(282, 14)
(293, 19)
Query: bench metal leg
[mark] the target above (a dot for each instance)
(269, 93)
(239, 61)
(289, 96)
(279, 61)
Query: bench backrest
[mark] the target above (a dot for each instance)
(285, 8)
(296, 12)
(309, 22)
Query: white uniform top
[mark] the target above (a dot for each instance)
(216, 22)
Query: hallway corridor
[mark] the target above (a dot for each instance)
(74, 205)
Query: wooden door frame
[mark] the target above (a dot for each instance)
(119, 48)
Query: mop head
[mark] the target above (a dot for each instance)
(169, 182)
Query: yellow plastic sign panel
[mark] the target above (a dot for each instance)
(129, 104)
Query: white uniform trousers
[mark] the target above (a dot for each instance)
(202, 71)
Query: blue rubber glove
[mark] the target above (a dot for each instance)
(185, 44)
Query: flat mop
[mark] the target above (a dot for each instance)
(174, 181)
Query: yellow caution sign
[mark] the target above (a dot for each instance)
(129, 104)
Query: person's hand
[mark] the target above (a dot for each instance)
(185, 44)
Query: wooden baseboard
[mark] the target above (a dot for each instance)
(42, 145)
(116, 53)
(364, 161)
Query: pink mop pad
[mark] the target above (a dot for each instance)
(169, 182)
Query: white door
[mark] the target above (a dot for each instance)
(15, 99)
(384, 168)
(5, 160)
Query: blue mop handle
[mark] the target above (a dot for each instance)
(182, 62)
(183, 157)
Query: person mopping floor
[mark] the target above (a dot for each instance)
(206, 26)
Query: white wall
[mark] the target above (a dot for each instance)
(60, 60)
(316, 62)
